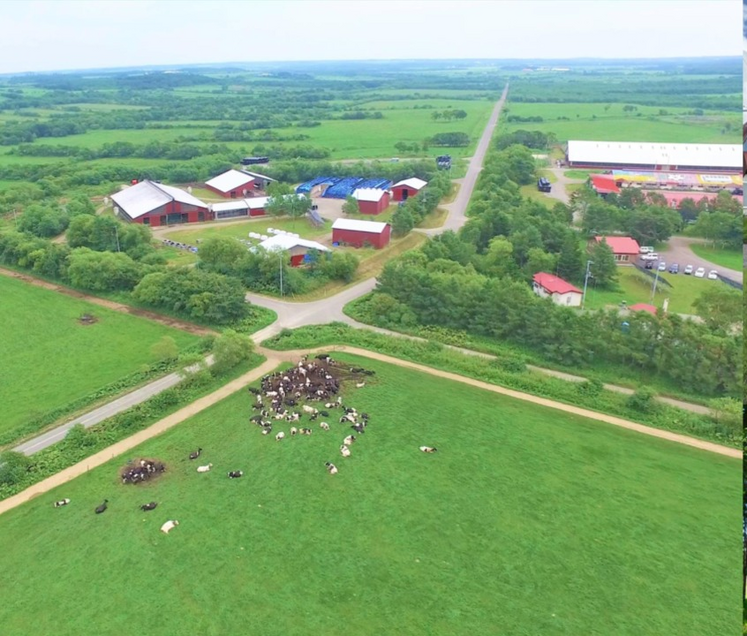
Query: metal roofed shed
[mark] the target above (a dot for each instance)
(358, 233)
(232, 183)
(157, 204)
(295, 246)
(407, 188)
(656, 156)
(371, 200)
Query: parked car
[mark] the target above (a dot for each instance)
(651, 256)
(646, 249)
(649, 264)
(689, 269)
(543, 185)
(713, 274)
(674, 268)
(662, 266)
(700, 272)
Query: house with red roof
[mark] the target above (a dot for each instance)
(562, 292)
(643, 307)
(625, 249)
(603, 184)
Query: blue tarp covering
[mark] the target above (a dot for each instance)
(342, 188)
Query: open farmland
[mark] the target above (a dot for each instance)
(608, 122)
(606, 526)
(50, 359)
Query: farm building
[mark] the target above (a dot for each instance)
(358, 233)
(561, 292)
(643, 307)
(297, 248)
(408, 188)
(654, 156)
(603, 184)
(251, 206)
(625, 249)
(155, 204)
(232, 184)
(371, 200)
(676, 180)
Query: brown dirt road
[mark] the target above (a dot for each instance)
(110, 304)
(274, 358)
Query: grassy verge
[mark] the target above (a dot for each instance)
(510, 373)
(52, 460)
(731, 259)
(434, 219)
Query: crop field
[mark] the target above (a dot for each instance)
(597, 122)
(50, 359)
(634, 287)
(607, 527)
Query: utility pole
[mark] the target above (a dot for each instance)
(116, 235)
(281, 273)
(656, 280)
(586, 282)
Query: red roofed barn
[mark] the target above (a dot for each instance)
(603, 184)
(625, 249)
(562, 292)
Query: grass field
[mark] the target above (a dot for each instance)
(634, 287)
(375, 138)
(241, 230)
(612, 532)
(731, 259)
(592, 121)
(49, 359)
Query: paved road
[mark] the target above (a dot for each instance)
(678, 251)
(102, 413)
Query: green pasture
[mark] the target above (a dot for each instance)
(731, 259)
(616, 125)
(614, 531)
(49, 359)
(375, 138)
(635, 287)
(97, 138)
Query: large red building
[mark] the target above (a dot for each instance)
(155, 204)
(407, 189)
(358, 233)
(371, 200)
(233, 184)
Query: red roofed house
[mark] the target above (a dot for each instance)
(603, 184)
(371, 200)
(643, 307)
(408, 188)
(562, 292)
(358, 233)
(625, 249)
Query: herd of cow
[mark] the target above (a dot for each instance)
(283, 396)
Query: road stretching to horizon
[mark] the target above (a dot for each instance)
(291, 315)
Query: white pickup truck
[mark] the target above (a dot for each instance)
(646, 249)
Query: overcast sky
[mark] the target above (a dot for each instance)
(61, 34)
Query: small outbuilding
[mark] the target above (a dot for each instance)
(643, 307)
(560, 291)
(358, 233)
(156, 204)
(625, 249)
(371, 200)
(603, 184)
(408, 188)
(297, 248)
(233, 184)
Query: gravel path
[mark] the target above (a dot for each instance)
(274, 358)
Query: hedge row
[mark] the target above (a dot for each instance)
(512, 374)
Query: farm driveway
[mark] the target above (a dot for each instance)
(274, 358)
(678, 251)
